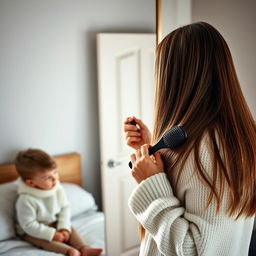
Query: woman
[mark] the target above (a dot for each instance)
(199, 199)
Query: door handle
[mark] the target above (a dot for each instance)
(112, 163)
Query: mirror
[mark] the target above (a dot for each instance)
(233, 18)
(236, 22)
(172, 14)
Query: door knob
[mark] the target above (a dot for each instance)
(112, 163)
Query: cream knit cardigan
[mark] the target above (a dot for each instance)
(177, 222)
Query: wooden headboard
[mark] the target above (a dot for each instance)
(69, 167)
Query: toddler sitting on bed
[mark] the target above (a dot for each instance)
(43, 212)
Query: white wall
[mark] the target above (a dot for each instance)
(48, 85)
(236, 20)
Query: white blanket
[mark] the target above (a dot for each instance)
(90, 226)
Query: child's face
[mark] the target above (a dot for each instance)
(44, 180)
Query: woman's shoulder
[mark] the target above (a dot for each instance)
(203, 156)
(205, 147)
(208, 145)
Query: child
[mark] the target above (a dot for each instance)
(43, 212)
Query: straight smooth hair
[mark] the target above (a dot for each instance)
(197, 88)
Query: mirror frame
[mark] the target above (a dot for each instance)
(158, 21)
(179, 14)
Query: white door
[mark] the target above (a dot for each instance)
(125, 79)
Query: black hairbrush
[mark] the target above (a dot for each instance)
(172, 139)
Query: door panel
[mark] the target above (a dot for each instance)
(125, 88)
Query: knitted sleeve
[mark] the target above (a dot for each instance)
(161, 214)
(180, 226)
(64, 216)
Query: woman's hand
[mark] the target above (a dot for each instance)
(145, 165)
(136, 137)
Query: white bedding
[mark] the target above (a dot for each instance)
(90, 226)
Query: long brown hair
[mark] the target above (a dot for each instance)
(197, 88)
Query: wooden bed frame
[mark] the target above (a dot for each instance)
(68, 165)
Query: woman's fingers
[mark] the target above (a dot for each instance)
(138, 154)
(139, 122)
(133, 158)
(130, 127)
(136, 135)
(131, 140)
(144, 150)
(127, 120)
(132, 134)
(157, 156)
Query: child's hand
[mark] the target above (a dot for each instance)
(145, 165)
(65, 233)
(87, 251)
(136, 137)
(58, 236)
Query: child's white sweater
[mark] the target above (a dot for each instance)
(177, 222)
(37, 208)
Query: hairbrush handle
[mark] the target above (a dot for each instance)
(133, 122)
(173, 138)
(153, 149)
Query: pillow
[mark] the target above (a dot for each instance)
(80, 200)
(8, 195)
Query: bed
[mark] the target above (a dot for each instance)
(85, 217)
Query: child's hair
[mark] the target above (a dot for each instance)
(31, 161)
